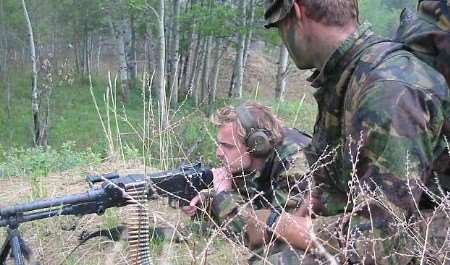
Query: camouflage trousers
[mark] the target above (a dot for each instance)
(425, 240)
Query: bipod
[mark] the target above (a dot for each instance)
(12, 244)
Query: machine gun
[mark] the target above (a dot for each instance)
(107, 191)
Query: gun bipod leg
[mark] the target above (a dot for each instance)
(12, 244)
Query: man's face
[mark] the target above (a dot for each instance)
(294, 35)
(231, 150)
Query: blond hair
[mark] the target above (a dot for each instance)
(262, 115)
(331, 12)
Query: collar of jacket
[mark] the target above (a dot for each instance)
(344, 54)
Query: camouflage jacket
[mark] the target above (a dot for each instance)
(280, 185)
(380, 126)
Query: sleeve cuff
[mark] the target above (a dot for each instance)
(224, 205)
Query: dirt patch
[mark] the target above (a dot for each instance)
(260, 77)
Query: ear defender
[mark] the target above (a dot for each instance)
(257, 140)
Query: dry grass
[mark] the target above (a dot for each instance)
(54, 239)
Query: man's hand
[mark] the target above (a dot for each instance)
(222, 180)
(192, 207)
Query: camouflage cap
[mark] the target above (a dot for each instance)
(276, 10)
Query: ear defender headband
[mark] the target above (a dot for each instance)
(257, 140)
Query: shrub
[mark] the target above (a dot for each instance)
(37, 162)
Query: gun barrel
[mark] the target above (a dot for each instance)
(88, 196)
(30, 217)
(181, 184)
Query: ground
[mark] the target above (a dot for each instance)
(53, 240)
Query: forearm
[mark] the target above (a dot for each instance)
(294, 230)
(288, 227)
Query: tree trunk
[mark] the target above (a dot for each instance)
(280, 88)
(131, 52)
(75, 53)
(46, 67)
(4, 77)
(205, 70)
(119, 31)
(174, 55)
(189, 62)
(192, 77)
(197, 70)
(38, 135)
(161, 68)
(180, 77)
(217, 59)
(123, 72)
(232, 80)
(82, 53)
(152, 42)
(248, 37)
(239, 63)
(87, 55)
(99, 52)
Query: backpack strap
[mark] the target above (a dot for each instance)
(444, 8)
(436, 11)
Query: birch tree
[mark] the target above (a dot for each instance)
(250, 27)
(161, 67)
(282, 70)
(206, 69)
(217, 57)
(174, 55)
(238, 71)
(4, 77)
(119, 26)
(39, 134)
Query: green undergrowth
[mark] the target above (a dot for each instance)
(37, 162)
(77, 137)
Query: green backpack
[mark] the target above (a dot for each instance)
(426, 33)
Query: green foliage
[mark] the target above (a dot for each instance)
(14, 17)
(400, 4)
(295, 114)
(199, 137)
(383, 15)
(111, 218)
(216, 20)
(37, 163)
(269, 36)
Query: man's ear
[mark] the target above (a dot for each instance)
(298, 10)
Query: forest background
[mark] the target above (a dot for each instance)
(115, 79)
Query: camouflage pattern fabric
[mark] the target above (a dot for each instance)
(378, 135)
(276, 10)
(280, 185)
(426, 33)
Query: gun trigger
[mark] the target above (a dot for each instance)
(173, 202)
